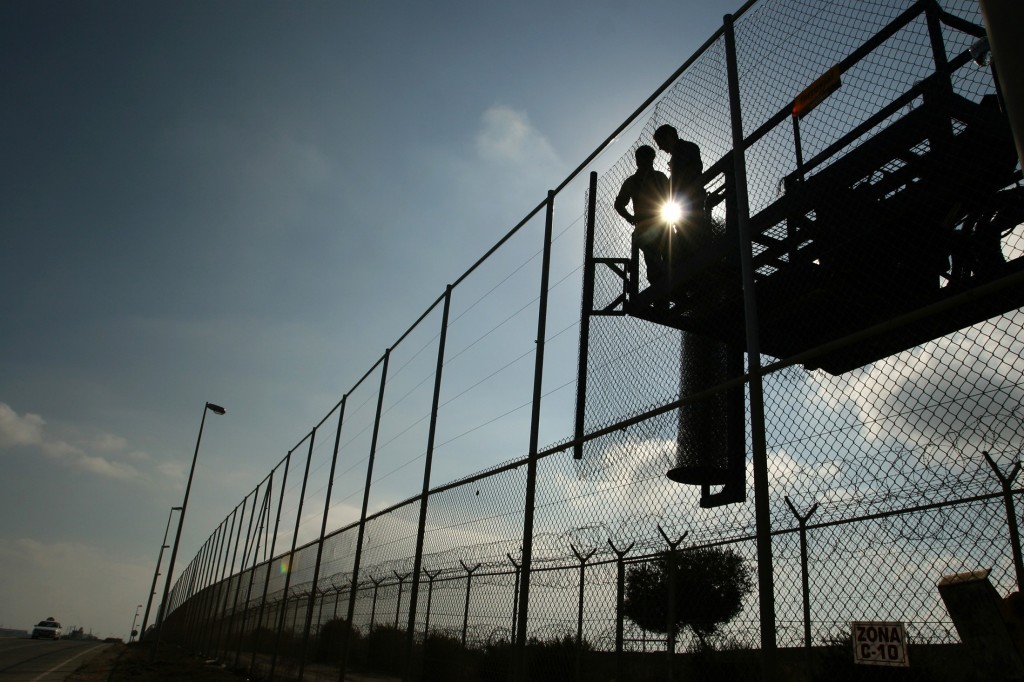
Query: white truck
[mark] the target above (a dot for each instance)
(47, 629)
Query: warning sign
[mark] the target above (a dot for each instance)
(880, 643)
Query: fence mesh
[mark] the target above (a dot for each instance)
(882, 221)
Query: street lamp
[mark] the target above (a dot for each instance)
(160, 613)
(131, 636)
(156, 573)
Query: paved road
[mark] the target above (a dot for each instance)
(43, 660)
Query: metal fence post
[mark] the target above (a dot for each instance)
(579, 609)
(192, 611)
(670, 642)
(398, 604)
(212, 589)
(430, 598)
(373, 605)
(320, 543)
(520, 664)
(587, 306)
(346, 639)
(1011, 514)
(264, 511)
(802, 519)
(231, 575)
(414, 587)
(620, 598)
(515, 598)
(762, 511)
(270, 560)
(291, 554)
(249, 539)
(465, 609)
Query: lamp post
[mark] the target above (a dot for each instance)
(131, 635)
(216, 409)
(156, 573)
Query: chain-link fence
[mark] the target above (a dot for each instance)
(825, 357)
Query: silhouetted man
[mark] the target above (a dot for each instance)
(685, 167)
(647, 190)
(685, 170)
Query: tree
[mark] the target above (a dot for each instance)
(710, 584)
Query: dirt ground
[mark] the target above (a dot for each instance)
(130, 663)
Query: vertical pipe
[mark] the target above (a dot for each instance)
(587, 307)
(414, 587)
(762, 511)
(362, 519)
(270, 562)
(291, 554)
(320, 544)
(264, 513)
(531, 467)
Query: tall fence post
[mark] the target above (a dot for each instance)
(398, 604)
(193, 609)
(1011, 514)
(347, 630)
(414, 587)
(214, 589)
(320, 543)
(531, 467)
(465, 609)
(805, 582)
(337, 599)
(249, 541)
(762, 510)
(291, 554)
(670, 643)
(579, 609)
(430, 599)
(231, 573)
(620, 598)
(264, 513)
(270, 562)
(515, 598)
(373, 606)
(587, 306)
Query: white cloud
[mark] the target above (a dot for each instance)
(15, 430)
(507, 136)
(956, 395)
(27, 431)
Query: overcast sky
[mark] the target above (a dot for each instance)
(246, 203)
